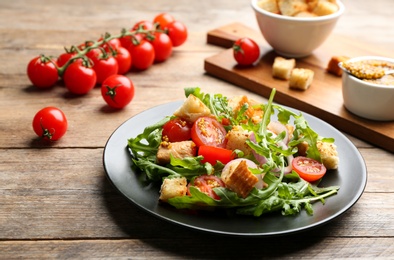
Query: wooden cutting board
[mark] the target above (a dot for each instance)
(324, 97)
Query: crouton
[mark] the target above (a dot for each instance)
(236, 139)
(253, 113)
(269, 5)
(292, 7)
(325, 8)
(282, 68)
(239, 178)
(174, 187)
(305, 14)
(192, 109)
(301, 78)
(328, 154)
(178, 150)
(333, 67)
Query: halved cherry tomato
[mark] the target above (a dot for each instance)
(50, 123)
(308, 169)
(177, 130)
(213, 154)
(246, 51)
(208, 131)
(206, 183)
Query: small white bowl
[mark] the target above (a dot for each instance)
(368, 100)
(295, 37)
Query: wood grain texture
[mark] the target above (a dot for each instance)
(323, 99)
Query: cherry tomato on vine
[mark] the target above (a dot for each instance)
(308, 169)
(79, 79)
(104, 67)
(123, 57)
(177, 32)
(208, 131)
(42, 72)
(111, 44)
(206, 184)
(162, 45)
(246, 51)
(213, 154)
(177, 130)
(145, 25)
(117, 91)
(142, 54)
(50, 123)
(64, 58)
(163, 19)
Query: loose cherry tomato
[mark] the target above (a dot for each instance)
(177, 32)
(117, 91)
(104, 66)
(208, 131)
(162, 45)
(145, 25)
(206, 183)
(177, 130)
(308, 169)
(124, 60)
(213, 154)
(246, 51)
(163, 19)
(42, 72)
(50, 123)
(79, 79)
(142, 54)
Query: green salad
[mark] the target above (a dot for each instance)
(217, 153)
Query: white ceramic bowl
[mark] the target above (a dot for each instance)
(368, 100)
(295, 36)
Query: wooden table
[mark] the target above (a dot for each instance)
(55, 200)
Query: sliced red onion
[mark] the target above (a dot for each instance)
(277, 127)
(289, 158)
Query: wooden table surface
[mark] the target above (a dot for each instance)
(55, 200)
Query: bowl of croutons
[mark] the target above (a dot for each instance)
(368, 87)
(295, 28)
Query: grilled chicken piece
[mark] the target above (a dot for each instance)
(239, 178)
(178, 150)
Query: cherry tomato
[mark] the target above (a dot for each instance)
(206, 183)
(308, 169)
(145, 25)
(177, 32)
(177, 130)
(42, 72)
(64, 58)
(79, 79)
(162, 45)
(124, 60)
(246, 51)
(104, 66)
(213, 154)
(208, 131)
(142, 54)
(111, 44)
(50, 123)
(117, 91)
(163, 19)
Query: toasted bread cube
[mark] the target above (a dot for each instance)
(192, 109)
(239, 179)
(269, 5)
(174, 187)
(282, 67)
(292, 7)
(236, 139)
(333, 67)
(325, 8)
(301, 78)
(254, 113)
(305, 14)
(328, 154)
(178, 150)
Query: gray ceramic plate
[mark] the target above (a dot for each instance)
(351, 176)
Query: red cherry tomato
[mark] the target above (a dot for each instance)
(142, 54)
(308, 169)
(42, 72)
(208, 131)
(162, 45)
(177, 130)
(111, 44)
(64, 58)
(213, 154)
(104, 66)
(145, 25)
(50, 123)
(246, 51)
(117, 91)
(79, 79)
(124, 60)
(163, 19)
(206, 183)
(177, 32)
